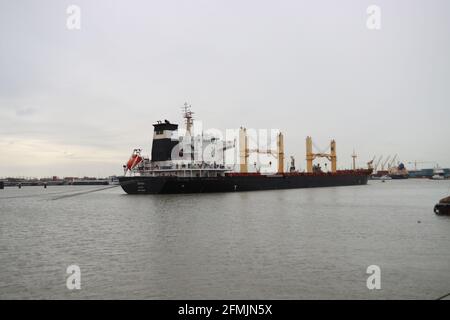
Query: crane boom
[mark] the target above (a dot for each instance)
(392, 162)
(383, 165)
(375, 168)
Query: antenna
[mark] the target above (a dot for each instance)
(187, 114)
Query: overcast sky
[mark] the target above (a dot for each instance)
(76, 102)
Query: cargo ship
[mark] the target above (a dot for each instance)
(195, 163)
(399, 172)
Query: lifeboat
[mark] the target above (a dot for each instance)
(134, 160)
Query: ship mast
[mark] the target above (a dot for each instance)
(354, 156)
(187, 114)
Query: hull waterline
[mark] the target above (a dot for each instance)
(235, 183)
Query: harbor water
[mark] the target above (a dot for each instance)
(288, 244)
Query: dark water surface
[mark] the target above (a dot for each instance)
(290, 244)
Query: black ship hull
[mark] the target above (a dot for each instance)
(234, 183)
(399, 176)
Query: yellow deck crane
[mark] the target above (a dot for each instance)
(244, 151)
(310, 156)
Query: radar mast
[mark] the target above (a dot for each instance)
(187, 114)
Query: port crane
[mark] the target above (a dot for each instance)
(392, 162)
(370, 163)
(383, 165)
(377, 163)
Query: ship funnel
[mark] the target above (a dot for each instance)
(163, 144)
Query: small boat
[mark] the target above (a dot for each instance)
(383, 178)
(438, 174)
(443, 207)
